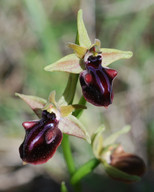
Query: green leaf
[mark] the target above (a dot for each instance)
(72, 126)
(69, 63)
(111, 55)
(83, 37)
(35, 103)
(63, 187)
(119, 175)
(112, 138)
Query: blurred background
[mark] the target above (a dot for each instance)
(33, 34)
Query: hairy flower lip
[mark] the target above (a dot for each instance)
(41, 140)
(45, 135)
(97, 88)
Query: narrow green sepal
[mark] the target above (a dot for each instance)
(83, 37)
(34, 102)
(97, 141)
(112, 138)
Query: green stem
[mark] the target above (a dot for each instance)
(69, 96)
(78, 113)
(84, 170)
(70, 88)
(67, 154)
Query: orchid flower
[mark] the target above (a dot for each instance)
(91, 62)
(43, 136)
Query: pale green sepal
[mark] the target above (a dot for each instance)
(118, 174)
(79, 51)
(83, 37)
(51, 98)
(72, 126)
(112, 138)
(63, 187)
(35, 103)
(97, 141)
(98, 132)
(111, 55)
(67, 110)
(69, 63)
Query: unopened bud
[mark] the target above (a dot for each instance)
(127, 162)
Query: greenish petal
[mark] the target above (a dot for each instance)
(79, 51)
(51, 98)
(67, 110)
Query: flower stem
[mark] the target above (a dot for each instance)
(68, 154)
(69, 96)
(70, 88)
(84, 170)
(78, 113)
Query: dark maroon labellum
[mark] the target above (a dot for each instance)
(96, 82)
(41, 140)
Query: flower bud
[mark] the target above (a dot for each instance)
(128, 163)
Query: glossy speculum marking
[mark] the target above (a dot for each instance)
(96, 81)
(41, 140)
